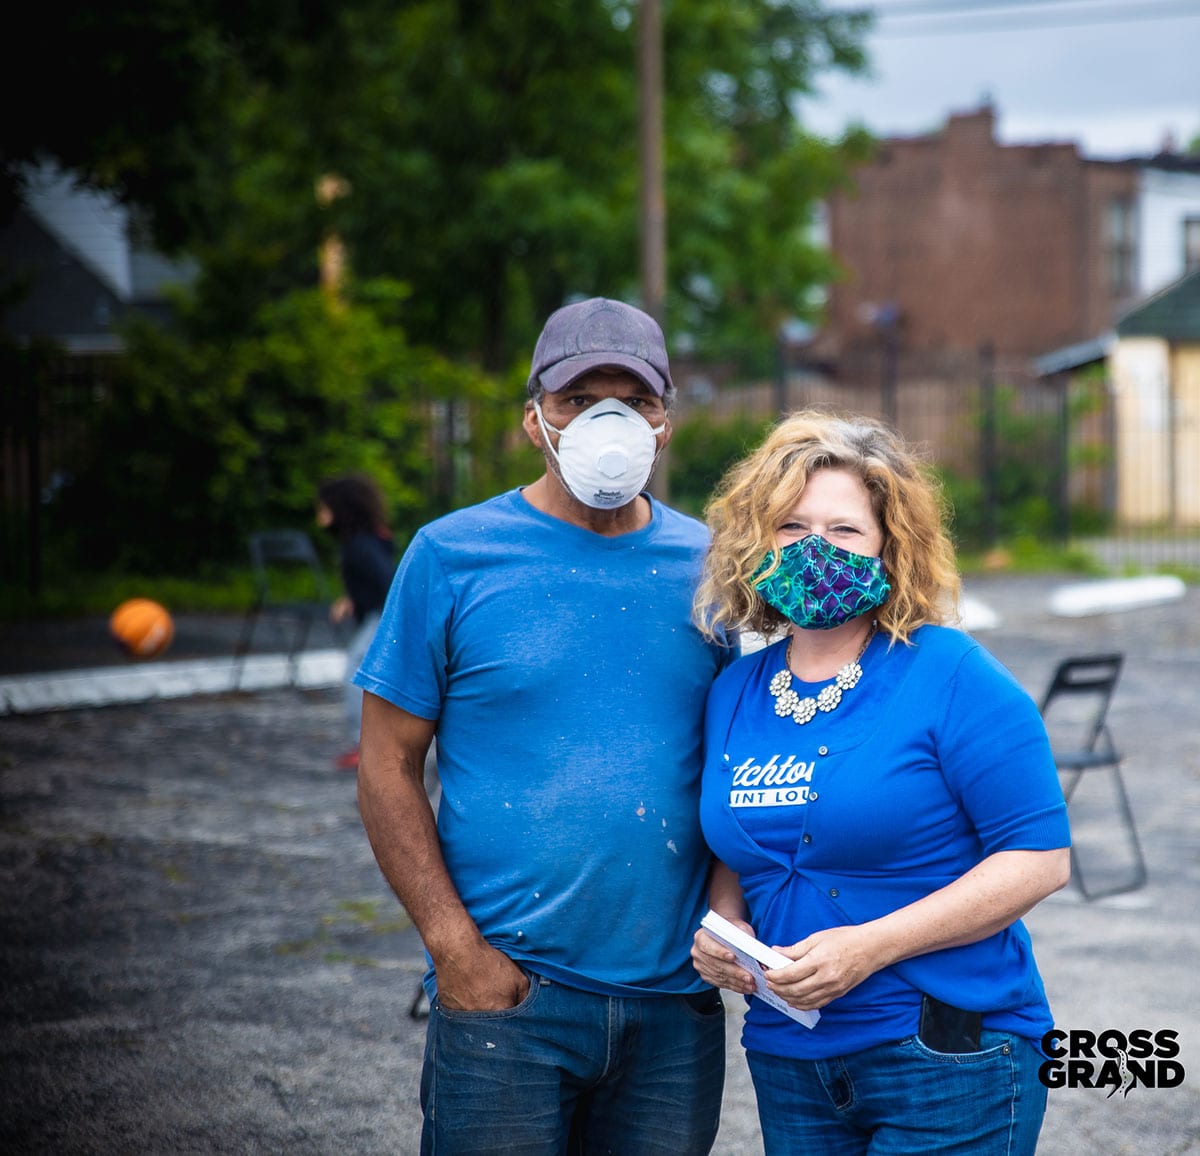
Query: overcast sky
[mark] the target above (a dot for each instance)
(1115, 76)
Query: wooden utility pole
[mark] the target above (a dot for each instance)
(650, 151)
(331, 259)
(987, 445)
(652, 206)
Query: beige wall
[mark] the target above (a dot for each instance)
(1157, 398)
(1185, 373)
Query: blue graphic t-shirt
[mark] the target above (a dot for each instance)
(936, 759)
(569, 684)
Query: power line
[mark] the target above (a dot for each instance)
(891, 9)
(963, 19)
(884, 10)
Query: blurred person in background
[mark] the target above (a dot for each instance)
(881, 797)
(352, 508)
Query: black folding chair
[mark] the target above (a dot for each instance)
(1075, 709)
(289, 588)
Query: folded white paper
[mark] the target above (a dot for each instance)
(752, 954)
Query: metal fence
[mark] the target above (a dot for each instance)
(48, 411)
(1021, 456)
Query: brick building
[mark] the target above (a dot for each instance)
(961, 242)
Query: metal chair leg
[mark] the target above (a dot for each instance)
(418, 1009)
(242, 647)
(1138, 879)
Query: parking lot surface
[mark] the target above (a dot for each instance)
(199, 955)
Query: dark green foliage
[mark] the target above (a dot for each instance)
(489, 155)
(205, 441)
(490, 149)
(742, 175)
(507, 136)
(1024, 488)
(702, 449)
(141, 96)
(964, 497)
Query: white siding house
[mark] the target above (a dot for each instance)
(1168, 211)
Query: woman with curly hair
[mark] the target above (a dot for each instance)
(882, 802)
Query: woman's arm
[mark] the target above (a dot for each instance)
(990, 897)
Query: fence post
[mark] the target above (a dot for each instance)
(888, 320)
(1062, 495)
(987, 438)
(34, 485)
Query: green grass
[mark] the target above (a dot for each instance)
(365, 913)
(86, 595)
(1029, 556)
(1189, 575)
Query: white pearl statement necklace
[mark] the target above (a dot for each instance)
(803, 710)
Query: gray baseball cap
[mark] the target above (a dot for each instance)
(599, 334)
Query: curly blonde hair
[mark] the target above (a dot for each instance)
(757, 494)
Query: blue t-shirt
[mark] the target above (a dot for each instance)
(935, 760)
(568, 684)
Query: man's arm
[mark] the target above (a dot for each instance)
(471, 974)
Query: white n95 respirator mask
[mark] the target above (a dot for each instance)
(606, 454)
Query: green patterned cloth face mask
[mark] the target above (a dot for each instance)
(819, 585)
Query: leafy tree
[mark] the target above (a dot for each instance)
(307, 389)
(494, 164)
(743, 176)
(703, 448)
(490, 148)
(1023, 490)
(140, 97)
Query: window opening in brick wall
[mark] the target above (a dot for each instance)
(1120, 245)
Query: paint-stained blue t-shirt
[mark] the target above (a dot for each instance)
(568, 684)
(936, 759)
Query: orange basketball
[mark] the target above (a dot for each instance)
(142, 628)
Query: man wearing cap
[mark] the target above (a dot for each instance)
(545, 638)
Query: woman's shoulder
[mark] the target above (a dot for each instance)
(931, 651)
(369, 544)
(960, 657)
(933, 639)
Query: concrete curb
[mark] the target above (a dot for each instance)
(1083, 598)
(318, 669)
(111, 685)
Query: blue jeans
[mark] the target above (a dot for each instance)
(568, 1072)
(903, 1098)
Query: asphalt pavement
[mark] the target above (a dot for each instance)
(199, 955)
